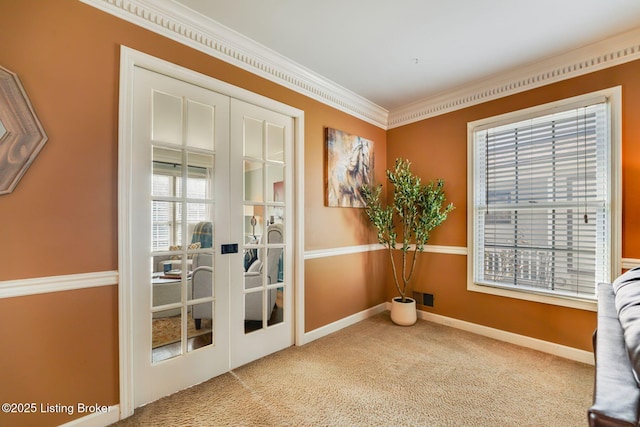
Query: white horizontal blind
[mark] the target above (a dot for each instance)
(161, 213)
(167, 182)
(542, 211)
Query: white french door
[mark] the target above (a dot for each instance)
(179, 181)
(261, 197)
(210, 233)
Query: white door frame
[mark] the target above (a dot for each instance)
(129, 59)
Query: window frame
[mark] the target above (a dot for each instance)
(613, 96)
(174, 215)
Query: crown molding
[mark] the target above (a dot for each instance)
(176, 22)
(607, 53)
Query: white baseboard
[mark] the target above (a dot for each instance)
(521, 340)
(342, 323)
(97, 419)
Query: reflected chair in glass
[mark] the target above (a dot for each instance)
(253, 276)
(203, 233)
(202, 283)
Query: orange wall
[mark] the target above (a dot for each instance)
(62, 217)
(444, 138)
(352, 283)
(58, 348)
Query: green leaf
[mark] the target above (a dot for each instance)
(416, 209)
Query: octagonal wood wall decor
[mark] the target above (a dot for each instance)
(21, 134)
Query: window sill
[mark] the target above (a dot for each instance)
(581, 304)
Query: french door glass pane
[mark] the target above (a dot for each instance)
(275, 183)
(253, 310)
(277, 309)
(166, 118)
(166, 335)
(253, 137)
(253, 181)
(200, 329)
(200, 125)
(275, 143)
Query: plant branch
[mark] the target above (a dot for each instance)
(418, 208)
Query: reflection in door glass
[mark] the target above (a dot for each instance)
(182, 240)
(167, 165)
(200, 127)
(200, 176)
(253, 313)
(253, 223)
(202, 276)
(253, 138)
(166, 287)
(200, 330)
(253, 182)
(166, 334)
(167, 118)
(275, 143)
(277, 310)
(254, 258)
(275, 183)
(166, 227)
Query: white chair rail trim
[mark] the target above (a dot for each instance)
(346, 250)
(629, 263)
(41, 285)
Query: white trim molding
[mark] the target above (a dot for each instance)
(97, 419)
(346, 250)
(451, 250)
(509, 337)
(608, 53)
(178, 23)
(497, 334)
(629, 263)
(323, 331)
(42, 285)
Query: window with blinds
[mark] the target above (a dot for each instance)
(166, 216)
(541, 200)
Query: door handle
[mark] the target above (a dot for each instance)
(229, 248)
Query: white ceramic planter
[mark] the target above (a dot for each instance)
(403, 313)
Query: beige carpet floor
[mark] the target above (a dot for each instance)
(377, 374)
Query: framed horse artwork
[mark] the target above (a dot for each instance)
(349, 167)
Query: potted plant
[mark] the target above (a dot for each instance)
(416, 209)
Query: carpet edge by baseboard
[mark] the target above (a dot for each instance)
(567, 352)
(342, 323)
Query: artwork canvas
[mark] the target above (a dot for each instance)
(349, 167)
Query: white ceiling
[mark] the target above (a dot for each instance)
(396, 52)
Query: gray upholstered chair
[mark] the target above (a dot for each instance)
(202, 286)
(253, 276)
(202, 278)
